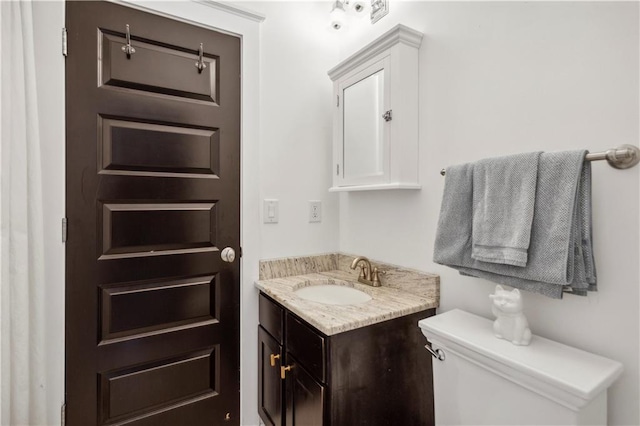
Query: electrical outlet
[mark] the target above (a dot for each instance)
(315, 211)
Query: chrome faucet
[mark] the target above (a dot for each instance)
(367, 276)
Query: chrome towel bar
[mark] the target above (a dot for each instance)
(622, 157)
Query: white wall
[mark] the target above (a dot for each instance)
(297, 48)
(48, 21)
(500, 78)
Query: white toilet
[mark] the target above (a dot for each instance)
(483, 380)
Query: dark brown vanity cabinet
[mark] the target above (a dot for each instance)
(375, 375)
(298, 398)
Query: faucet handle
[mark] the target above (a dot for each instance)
(375, 278)
(363, 274)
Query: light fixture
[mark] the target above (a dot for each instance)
(379, 8)
(338, 14)
(340, 8)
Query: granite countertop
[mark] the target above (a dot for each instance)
(403, 291)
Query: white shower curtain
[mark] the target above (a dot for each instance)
(22, 281)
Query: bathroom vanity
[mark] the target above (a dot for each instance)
(349, 364)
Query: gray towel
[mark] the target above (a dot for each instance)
(560, 250)
(504, 194)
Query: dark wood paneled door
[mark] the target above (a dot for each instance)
(153, 196)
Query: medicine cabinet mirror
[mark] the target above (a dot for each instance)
(364, 140)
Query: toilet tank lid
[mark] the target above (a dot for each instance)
(549, 366)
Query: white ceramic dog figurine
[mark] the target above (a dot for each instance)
(510, 324)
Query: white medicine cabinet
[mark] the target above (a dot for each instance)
(375, 120)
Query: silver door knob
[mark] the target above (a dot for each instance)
(228, 254)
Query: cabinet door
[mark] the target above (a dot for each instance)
(362, 139)
(305, 397)
(269, 381)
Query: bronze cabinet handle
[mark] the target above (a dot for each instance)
(273, 358)
(283, 371)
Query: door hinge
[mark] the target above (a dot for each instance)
(65, 229)
(337, 100)
(63, 414)
(337, 169)
(64, 42)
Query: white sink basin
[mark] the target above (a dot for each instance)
(332, 294)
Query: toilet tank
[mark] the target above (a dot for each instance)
(484, 380)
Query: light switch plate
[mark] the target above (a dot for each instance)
(315, 211)
(270, 211)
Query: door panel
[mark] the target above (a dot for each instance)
(305, 397)
(167, 304)
(269, 381)
(153, 195)
(151, 229)
(118, 70)
(127, 391)
(124, 146)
